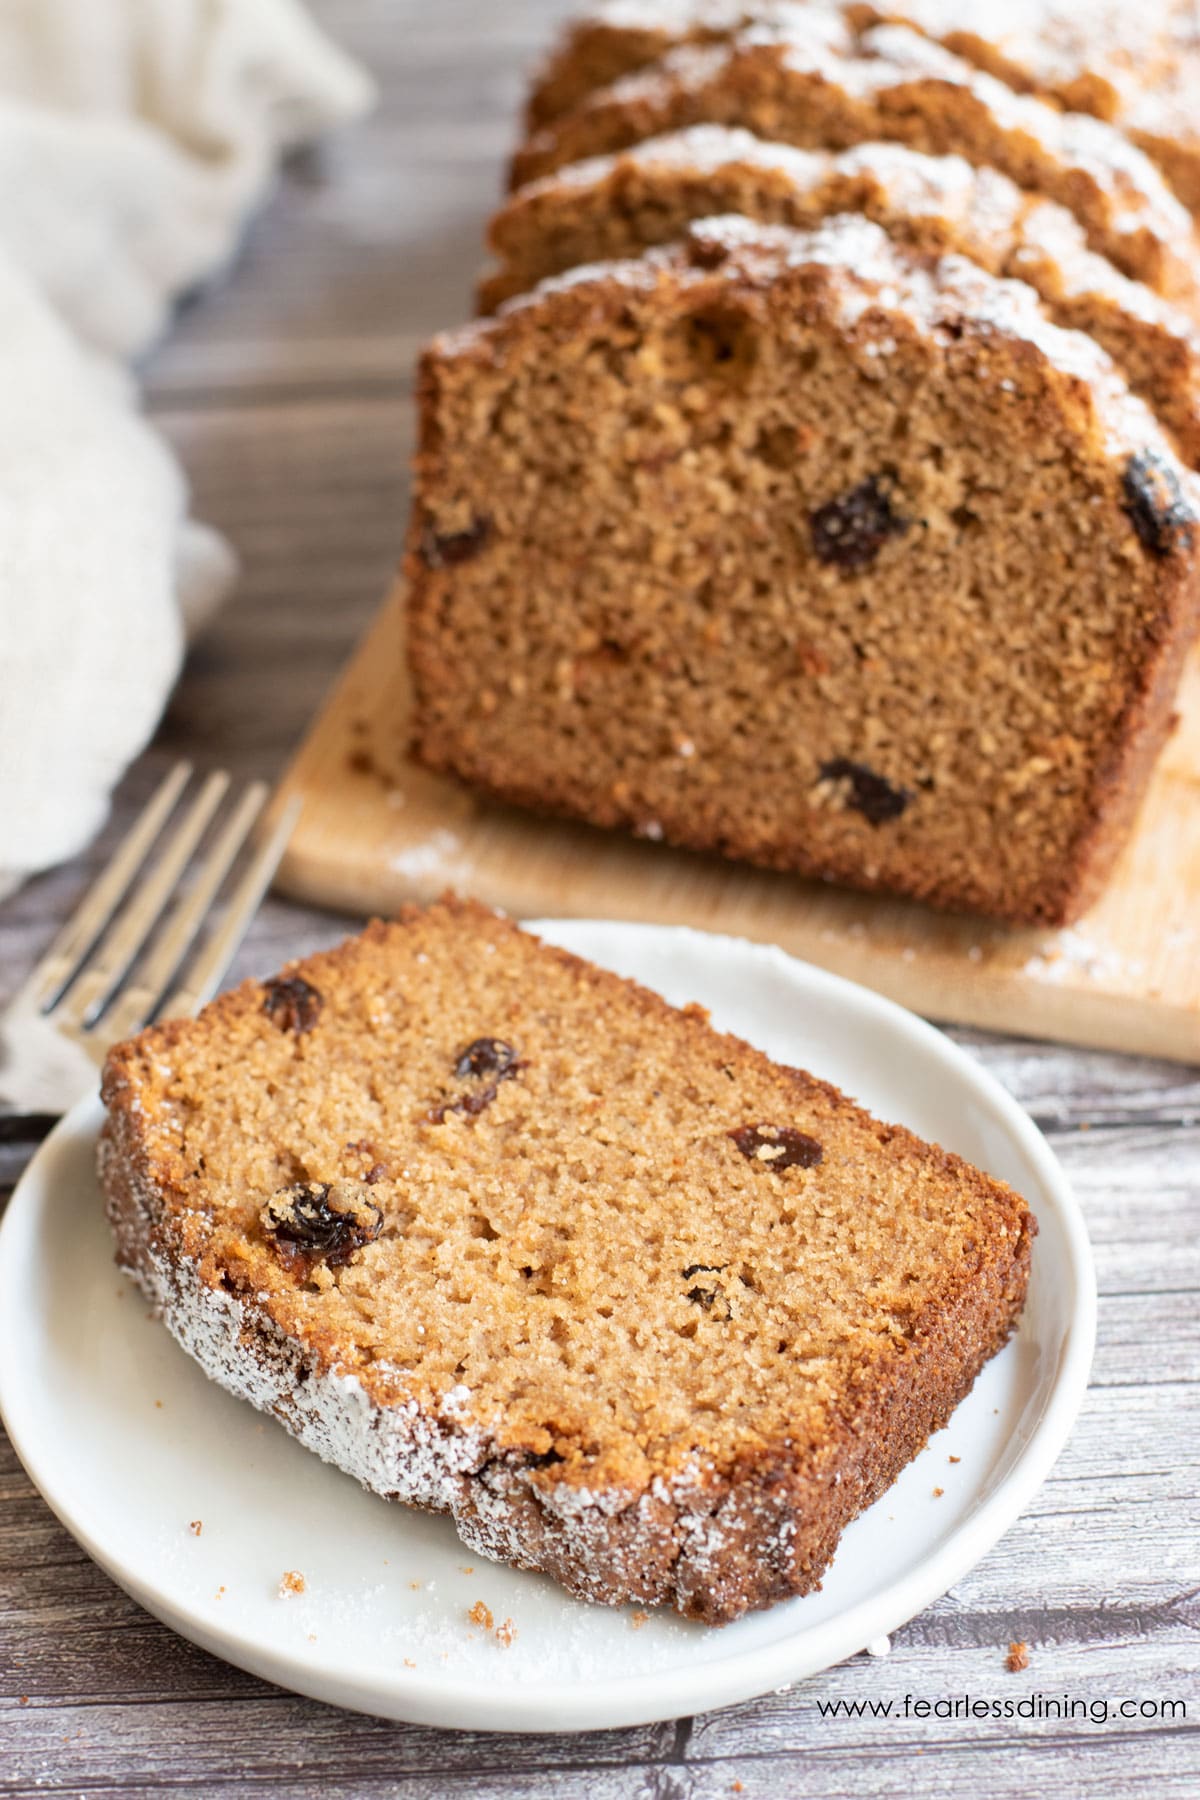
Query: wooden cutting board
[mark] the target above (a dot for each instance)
(376, 831)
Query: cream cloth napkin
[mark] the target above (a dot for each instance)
(135, 138)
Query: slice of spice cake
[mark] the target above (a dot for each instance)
(505, 1236)
(808, 550)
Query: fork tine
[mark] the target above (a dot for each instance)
(200, 982)
(92, 914)
(140, 913)
(135, 1004)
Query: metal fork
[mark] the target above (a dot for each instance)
(77, 986)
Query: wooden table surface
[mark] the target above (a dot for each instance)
(287, 394)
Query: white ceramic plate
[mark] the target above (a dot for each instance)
(129, 1443)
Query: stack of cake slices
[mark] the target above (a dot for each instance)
(817, 487)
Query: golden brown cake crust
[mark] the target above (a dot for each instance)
(651, 1440)
(798, 708)
(897, 87)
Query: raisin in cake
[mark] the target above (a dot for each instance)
(898, 87)
(808, 550)
(613, 207)
(507, 1237)
(1136, 67)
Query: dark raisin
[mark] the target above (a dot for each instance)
(850, 530)
(486, 1056)
(322, 1220)
(291, 1003)
(1156, 505)
(376, 1172)
(704, 1296)
(870, 794)
(542, 1459)
(471, 1105)
(441, 550)
(777, 1147)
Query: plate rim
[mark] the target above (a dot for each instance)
(582, 1704)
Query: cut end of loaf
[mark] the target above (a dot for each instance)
(809, 550)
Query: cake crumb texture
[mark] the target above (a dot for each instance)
(906, 571)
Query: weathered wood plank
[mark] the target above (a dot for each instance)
(1062, 1769)
(1060, 1089)
(1149, 1337)
(1067, 1693)
(289, 1737)
(555, 1783)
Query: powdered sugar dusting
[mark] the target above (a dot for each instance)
(1073, 954)
(1119, 168)
(442, 855)
(892, 69)
(1048, 44)
(698, 148)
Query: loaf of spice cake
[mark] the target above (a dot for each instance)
(898, 87)
(507, 1237)
(613, 207)
(1137, 67)
(809, 550)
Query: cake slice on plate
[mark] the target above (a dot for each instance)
(505, 1236)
